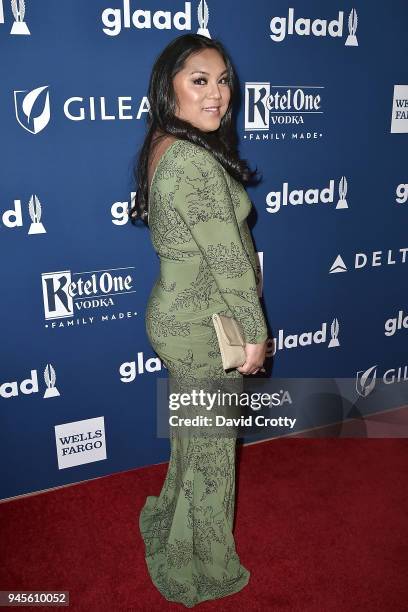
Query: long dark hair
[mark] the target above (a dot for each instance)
(162, 119)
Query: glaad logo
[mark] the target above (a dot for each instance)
(116, 19)
(402, 193)
(366, 379)
(18, 10)
(25, 102)
(399, 117)
(80, 442)
(269, 105)
(392, 325)
(129, 369)
(63, 297)
(281, 26)
(13, 216)
(362, 259)
(30, 385)
(119, 210)
(305, 339)
(276, 199)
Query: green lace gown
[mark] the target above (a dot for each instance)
(197, 219)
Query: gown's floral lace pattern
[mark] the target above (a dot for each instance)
(197, 218)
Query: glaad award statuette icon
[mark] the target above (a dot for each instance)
(19, 25)
(34, 208)
(202, 16)
(49, 377)
(342, 203)
(351, 40)
(334, 330)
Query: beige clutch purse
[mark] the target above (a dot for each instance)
(231, 340)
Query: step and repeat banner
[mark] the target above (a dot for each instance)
(322, 114)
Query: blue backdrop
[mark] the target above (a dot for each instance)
(323, 114)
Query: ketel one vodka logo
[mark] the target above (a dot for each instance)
(64, 297)
(13, 217)
(18, 10)
(32, 108)
(281, 26)
(278, 105)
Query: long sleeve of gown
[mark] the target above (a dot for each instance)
(202, 199)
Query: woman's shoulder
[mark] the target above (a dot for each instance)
(185, 164)
(187, 152)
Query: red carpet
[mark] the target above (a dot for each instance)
(322, 524)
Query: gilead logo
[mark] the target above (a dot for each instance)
(114, 19)
(33, 110)
(366, 379)
(26, 101)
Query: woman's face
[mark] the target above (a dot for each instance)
(202, 90)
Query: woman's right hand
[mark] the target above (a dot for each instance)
(255, 357)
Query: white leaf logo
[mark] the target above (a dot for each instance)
(24, 105)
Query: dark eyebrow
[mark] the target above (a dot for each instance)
(203, 72)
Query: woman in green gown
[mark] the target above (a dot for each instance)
(190, 188)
